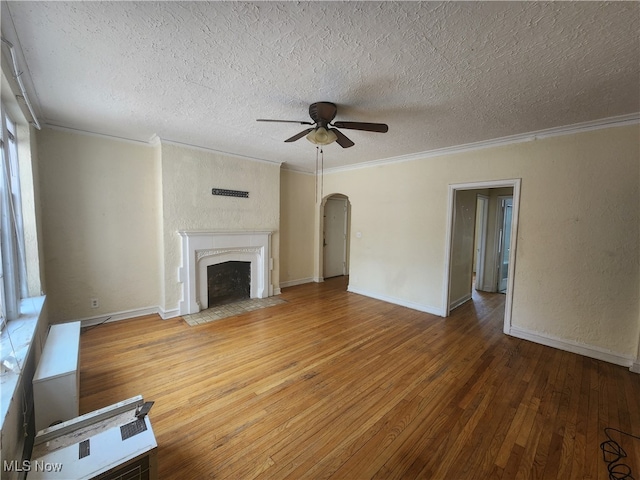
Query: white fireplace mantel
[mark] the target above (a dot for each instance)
(203, 248)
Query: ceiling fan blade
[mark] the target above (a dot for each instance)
(342, 139)
(299, 135)
(367, 127)
(283, 121)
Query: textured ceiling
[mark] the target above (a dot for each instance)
(439, 74)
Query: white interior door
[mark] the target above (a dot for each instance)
(335, 237)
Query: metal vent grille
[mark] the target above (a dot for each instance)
(230, 193)
(84, 449)
(133, 428)
(135, 470)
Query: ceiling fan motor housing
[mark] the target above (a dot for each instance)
(322, 113)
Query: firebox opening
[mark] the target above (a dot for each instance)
(228, 282)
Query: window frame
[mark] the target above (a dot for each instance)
(12, 259)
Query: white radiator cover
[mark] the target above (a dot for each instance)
(108, 454)
(56, 382)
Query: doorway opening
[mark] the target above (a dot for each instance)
(335, 216)
(481, 242)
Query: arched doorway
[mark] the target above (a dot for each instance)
(335, 216)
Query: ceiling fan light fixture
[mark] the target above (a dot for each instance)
(322, 136)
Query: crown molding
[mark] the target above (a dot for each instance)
(293, 168)
(211, 150)
(619, 121)
(79, 131)
(155, 141)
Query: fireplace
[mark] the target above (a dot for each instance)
(201, 249)
(228, 282)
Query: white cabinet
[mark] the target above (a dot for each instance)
(56, 383)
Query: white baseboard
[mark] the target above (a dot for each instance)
(398, 301)
(635, 368)
(293, 283)
(114, 317)
(460, 301)
(166, 314)
(140, 312)
(573, 347)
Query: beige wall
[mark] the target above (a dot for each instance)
(112, 210)
(100, 224)
(576, 271)
(394, 210)
(297, 208)
(188, 175)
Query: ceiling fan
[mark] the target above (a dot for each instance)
(322, 114)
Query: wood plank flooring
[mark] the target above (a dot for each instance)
(336, 385)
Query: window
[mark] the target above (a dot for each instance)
(12, 261)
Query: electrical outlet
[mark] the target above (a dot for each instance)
(94, 303)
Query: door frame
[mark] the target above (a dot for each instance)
(515, 184)
(345, 231)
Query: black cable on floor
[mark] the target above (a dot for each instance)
(612, 453)
(86, 329)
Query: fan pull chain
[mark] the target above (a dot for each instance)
(321, 174)
(316, 172)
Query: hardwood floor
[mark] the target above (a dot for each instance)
(336, 385)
